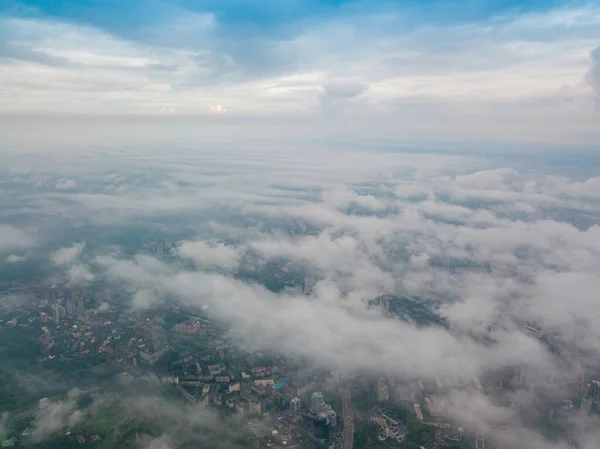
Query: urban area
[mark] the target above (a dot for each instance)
(277, 401)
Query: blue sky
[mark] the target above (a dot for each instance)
(429, 65)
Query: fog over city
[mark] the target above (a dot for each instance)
(494, 247)
(209, 210)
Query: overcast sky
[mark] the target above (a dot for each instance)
(471, 69)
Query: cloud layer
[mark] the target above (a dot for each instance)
(293, 246)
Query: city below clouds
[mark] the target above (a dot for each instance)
(406, 189)
(488, 244)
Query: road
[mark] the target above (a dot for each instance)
(348, 435)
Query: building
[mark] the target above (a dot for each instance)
(295, 404)
(80, 306)
(321, 427)
(70, 307)
(250, 396)
(223, 379)
(385, 304)
(383, 393)
(187, 327)
(317, 403)
(254, 408)
(586, 404)
(390, 428)
(170, 380)
(332, 415)
(58, 312)
(264, 382)
(152, 357)
(234, 387)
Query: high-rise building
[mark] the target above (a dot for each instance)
(295, 404)
(80, 307)
(317, 402)
(391, 380)
(385, 304)
(321, 426)
(586, 404)
(383, 393)
(59, 312)
(332, 415)
(70, 307)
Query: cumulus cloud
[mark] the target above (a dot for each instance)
(341, 197)
(209, 254)
(79, 274)
(66, 184)
(12, 238)
(67, 255)
(15, 258)
(56, 416)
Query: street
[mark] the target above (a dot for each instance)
(348, 413)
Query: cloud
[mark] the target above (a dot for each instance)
(79, 274)
(339, 94)
(15, 258)
(594, 74)
(65, 184)
(57, 416)
(341, 197)
(419, 71)
(469, 248)
(12, 238)
(67, 255)
(209, 255)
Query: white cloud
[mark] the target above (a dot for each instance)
(210, 255)
(65, 184)
(15, 258)
(79, 274)
(66, 256)
(12, 238)
(402, 80)
(341, 197)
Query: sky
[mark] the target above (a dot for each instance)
(465, 70)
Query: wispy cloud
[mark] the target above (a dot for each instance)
(492, 66)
